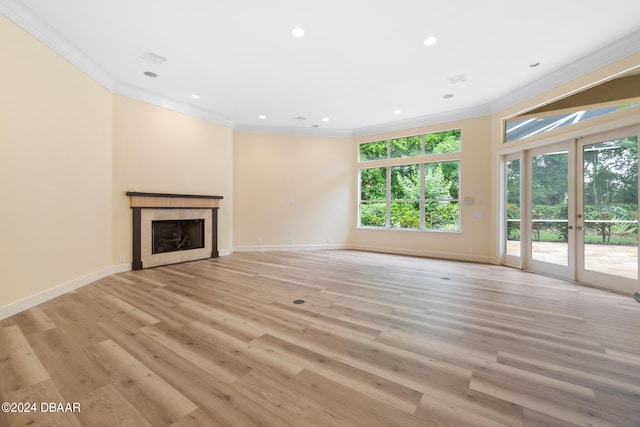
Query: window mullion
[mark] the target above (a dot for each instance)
(422, 198)
(388, 213)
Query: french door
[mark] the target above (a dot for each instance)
(571, 210)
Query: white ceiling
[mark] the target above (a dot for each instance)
(358, 62)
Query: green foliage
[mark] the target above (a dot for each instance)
(441, 195)
(442, 180)
(405, 215)
(411, 146)
(442, 215)
(611, 185)
(373, 184)
(405, 182)
(373, 214)
(513, 181)
(373, 151)
(442, 142)
(550, 184)
(405, 147)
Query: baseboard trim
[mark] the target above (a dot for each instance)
(33, 300)
(291, 248)
(386, 250)
(481, 259)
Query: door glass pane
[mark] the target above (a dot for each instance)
(513, 207)
(549, 197)
(611, 207)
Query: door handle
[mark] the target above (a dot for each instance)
(578, 228)
(570, 227)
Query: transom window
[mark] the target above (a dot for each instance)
(404, 190)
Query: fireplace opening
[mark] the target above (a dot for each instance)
(177, 235)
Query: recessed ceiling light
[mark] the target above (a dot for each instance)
(397, 112)
(430, 41)
(326, 119)
(448, 96)
(194, 96)
(298, 32)
(150, 74)
(534, 65)
(262, 117)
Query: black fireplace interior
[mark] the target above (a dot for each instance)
(177, 235)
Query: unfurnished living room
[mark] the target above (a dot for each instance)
(294, 213)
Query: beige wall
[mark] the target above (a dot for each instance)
(162, 151)
(475, 240)
(55, 170)
(292, 187)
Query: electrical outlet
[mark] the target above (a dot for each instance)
(290, 241)
(121, 258)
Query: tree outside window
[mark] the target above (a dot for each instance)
(415, 195)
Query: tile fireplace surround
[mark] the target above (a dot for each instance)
(149, 207)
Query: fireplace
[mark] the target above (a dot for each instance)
(176, 235)
(173, 228)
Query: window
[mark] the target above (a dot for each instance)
(520, 128)
(405, 190)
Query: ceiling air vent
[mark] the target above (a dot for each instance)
(460, 78)
(153, 57)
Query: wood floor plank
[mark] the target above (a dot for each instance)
(450, 415)
(221, 403)
(106, 406)
(388, 392)
(559, 408)
(69, 366)
(201, 353)
(20, 367)
(33, 320)
(155, 399)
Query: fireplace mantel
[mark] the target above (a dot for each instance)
(165, 205)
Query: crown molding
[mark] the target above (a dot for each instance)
(432, 119)
(24, 17)
(290, 130)
(139, 94)
(616, 51)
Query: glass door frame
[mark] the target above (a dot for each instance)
(616, 283)
(529, 263)
(575, 270)
(510, 259)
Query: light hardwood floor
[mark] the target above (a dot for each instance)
(381, 340)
